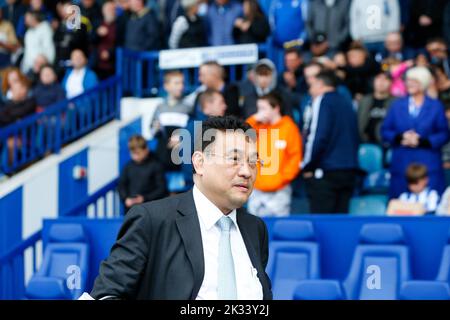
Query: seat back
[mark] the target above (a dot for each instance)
(293, 256)
(65, 264)
(370, 205)
(425, 290)
(380, 264)
(318, 290)
(370, 157)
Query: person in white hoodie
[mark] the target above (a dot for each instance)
(372, 20)
(38, 40)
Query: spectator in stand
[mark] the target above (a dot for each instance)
(330, 18)
(287, 19)
(8, 41)
(416, 129)
(360, 70)
(143, 29)
(19, 106)
(254, 26)
(38, 40)
(221, 18)
(372, 109)
(418, 189)
(123, 15)
(34, 73)
(292, 77)
(170, 10)
(437, 54)
(11, 75)
(189, 29)
(212, 104)
(426, 21)
(211, 75)
(397, 70)
(330, 162)
(142, 179)
(367, 26)
(310, 72)
(266, 82)
(79, 77)
(48, 91)
(283, 155)
(106, 42)
(13, 11)
(319, 49)
(69, 36)
(170, 115)
(91, 10)
(38, 6)
(395, 48)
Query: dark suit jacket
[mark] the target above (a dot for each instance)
(159, 254)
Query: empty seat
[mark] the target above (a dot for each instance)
(293, 256)
(370, 157)
(319, 290)
(369, 205)
(64, 270)
(380, 264)
(425, 290)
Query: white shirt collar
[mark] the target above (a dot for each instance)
(207, 211)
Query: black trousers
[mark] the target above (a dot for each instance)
(332, 192)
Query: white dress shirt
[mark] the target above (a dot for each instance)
(247, 283)
(74, 84)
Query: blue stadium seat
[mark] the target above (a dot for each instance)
(380, 264)
(425, 290)
(66, 255)
(444, 269)
(175, 181)
(319, 290)
(377, 182)
(370, 157)
(293, 256)
(369, 205)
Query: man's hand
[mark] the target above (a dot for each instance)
(138, 199)
(129, 202)
(308, 174)
(425, 21)
(410, 139)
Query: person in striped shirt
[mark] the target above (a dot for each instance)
(419, 192)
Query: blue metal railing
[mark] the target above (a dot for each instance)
(12, 264)
(142, 76)
(23, 142)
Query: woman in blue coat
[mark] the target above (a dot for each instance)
(416, 129)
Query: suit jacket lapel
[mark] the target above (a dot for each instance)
(189, 229)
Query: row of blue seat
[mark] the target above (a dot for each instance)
(380, 268)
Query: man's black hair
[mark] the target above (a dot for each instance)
(328, 77)
(220, 124)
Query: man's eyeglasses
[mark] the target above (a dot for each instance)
(238, 161)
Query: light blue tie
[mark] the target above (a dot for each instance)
(226, 280)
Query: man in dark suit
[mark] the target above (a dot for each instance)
(200, 244)
(330, 162)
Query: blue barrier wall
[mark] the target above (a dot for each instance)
(72, 191)
(337, 235)
(10, 220)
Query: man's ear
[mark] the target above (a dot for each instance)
(198, 159)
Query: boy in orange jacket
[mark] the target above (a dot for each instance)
(280, 149)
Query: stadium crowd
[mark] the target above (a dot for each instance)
(355, 71)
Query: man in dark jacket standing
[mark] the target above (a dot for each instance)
(330, 160)
(143, 29)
